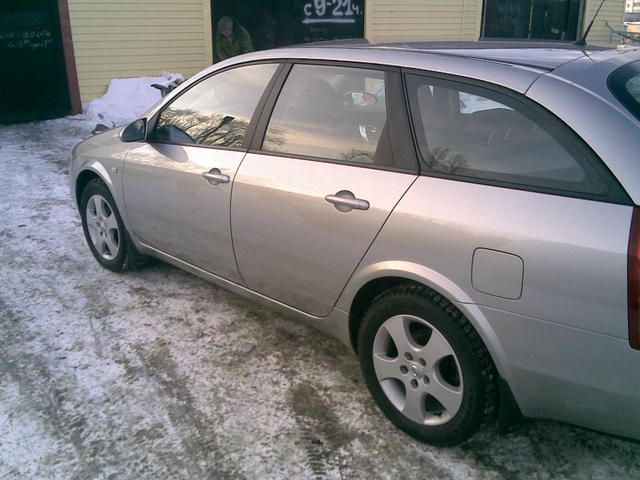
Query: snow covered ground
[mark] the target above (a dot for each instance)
(157, 374)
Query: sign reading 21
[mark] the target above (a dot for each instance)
(332, 11)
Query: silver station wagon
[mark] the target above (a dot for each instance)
(464, 216)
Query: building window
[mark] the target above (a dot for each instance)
(532, 19)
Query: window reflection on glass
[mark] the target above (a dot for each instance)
(624, 83)
(633, 87)
(488, 137)
(216, 111)
(331, 112)
(474, 103)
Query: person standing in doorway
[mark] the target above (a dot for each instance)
(231, 39)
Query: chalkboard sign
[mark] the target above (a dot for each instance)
(41, 39)
(33, 84)
(331, 19)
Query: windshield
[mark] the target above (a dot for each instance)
(624, 83)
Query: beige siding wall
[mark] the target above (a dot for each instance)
(388, 20)
(130, 38)
(612, 12)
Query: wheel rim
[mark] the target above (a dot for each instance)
(418, 370)
(103, 227)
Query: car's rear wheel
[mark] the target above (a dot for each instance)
(103, 227)
(426, 366)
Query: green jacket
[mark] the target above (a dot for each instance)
(239, 43)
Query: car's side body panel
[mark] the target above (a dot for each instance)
(574, 281)
(570, 374)
(440, 223)
(294, 246)
(436, 228)
(173, 208)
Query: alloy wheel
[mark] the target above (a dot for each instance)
(418, 370)
(103, 227)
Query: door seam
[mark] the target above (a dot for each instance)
(233, 246)
(333, 307)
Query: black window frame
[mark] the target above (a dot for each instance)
(402, 145)
(550, 123)
(251, 128)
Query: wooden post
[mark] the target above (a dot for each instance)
(69, 57)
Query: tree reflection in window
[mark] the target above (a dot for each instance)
(446, 161)
(359, 156)
(215, 111)
(473, 132)
(187, 127)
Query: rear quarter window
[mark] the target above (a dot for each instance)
(477, 134)
(624, 83)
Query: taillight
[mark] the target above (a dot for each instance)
(633, 277)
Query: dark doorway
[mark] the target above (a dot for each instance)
(33, 84)
(277, 23)
(532, 19)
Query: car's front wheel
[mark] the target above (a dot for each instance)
(103, 227)
(426, 366)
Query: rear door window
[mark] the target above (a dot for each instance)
(331, 112)
(478, 134)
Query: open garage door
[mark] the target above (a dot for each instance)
(278, 23)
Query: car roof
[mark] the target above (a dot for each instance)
(540, 55)
(515, 65)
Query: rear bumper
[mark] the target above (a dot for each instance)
(569, 374)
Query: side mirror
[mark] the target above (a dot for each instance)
(135, 131)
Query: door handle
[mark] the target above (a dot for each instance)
(215, 176)
(345, 201)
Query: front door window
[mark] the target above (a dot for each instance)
(215, 112)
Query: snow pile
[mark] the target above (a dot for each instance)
(127, 99)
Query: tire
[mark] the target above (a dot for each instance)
(426, 366)
(103, 228)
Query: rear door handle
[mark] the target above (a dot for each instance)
(215, 176)
(345, 201)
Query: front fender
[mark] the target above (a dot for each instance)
(103, 155)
